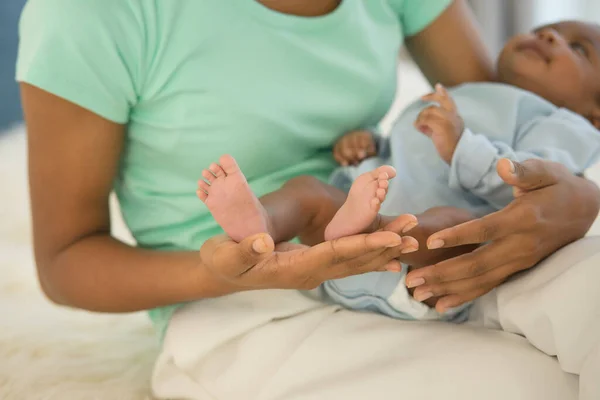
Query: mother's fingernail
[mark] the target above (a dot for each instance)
(260, 246)
(415, 282)
(409, 227)
(423, 296)
(393, 266)
(511, 167)
(435, 244)
(409, 250)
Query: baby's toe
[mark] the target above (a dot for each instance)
(202, 195)
(209, 176)
(202, 185)
(216, 170)
(229, 165)
(388, 171)
(375, 204)
(380, 194)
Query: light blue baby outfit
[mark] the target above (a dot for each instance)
(501, 122)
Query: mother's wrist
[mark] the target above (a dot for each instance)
(207, 283)
(588, 204)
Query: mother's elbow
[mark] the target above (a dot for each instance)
(48, 278)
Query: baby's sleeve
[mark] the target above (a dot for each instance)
(87, 52)
(562, 137)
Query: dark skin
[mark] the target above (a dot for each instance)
(80, 265)
(559, 62)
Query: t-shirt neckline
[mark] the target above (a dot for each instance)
(274, 17)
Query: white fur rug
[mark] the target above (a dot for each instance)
(53, 353)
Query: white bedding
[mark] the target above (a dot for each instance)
(282, 345)
(47, 352)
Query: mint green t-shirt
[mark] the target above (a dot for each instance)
(194, 79)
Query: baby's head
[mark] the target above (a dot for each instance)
(559, 62)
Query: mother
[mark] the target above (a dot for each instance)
(138, 96)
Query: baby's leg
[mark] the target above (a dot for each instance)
(315, 211)
(302, 207)
(360, 212)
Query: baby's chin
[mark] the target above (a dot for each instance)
(518, 72)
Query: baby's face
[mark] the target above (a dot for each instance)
(559, 62)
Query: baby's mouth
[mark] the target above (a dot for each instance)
(536, 47)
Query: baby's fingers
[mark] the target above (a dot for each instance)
(442, 97)
(367, 144)
(338, 155)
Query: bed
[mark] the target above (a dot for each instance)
(47, 352)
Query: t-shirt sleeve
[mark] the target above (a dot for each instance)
(87, 52)
(416, 15)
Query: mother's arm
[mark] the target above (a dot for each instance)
(73, 159)
(450, 50)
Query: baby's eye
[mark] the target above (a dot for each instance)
(579, 48)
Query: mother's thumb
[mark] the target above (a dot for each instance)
(232, 259)
(529, 175)
(254, 248)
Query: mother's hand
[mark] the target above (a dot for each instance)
(552, 208)
(256, 263)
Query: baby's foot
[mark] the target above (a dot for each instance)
(360, 211)
(229, 199)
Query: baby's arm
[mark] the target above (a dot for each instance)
(562, 137)
(441, 123)
(355, 146)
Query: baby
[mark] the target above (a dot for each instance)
(442, 151)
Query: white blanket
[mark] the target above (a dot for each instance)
(280, 345)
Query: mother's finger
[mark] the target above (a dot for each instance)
(402, 224)
(350, 247)
(230, 259)
(530, 174)
(476, 263)
(307, 268)
(463, 286)
(510, 220)
(456, 300)
(372, 262)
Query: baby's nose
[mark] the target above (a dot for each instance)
(549, 35)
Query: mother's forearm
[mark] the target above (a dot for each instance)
(98, 273)
(589, 204)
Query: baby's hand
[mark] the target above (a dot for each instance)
(441, 123)
(354, 147)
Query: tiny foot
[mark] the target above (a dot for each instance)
(230, 200)
(361, 209)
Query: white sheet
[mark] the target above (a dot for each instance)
(282, 345)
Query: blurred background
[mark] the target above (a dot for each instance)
(499, 19)
(10, 111)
